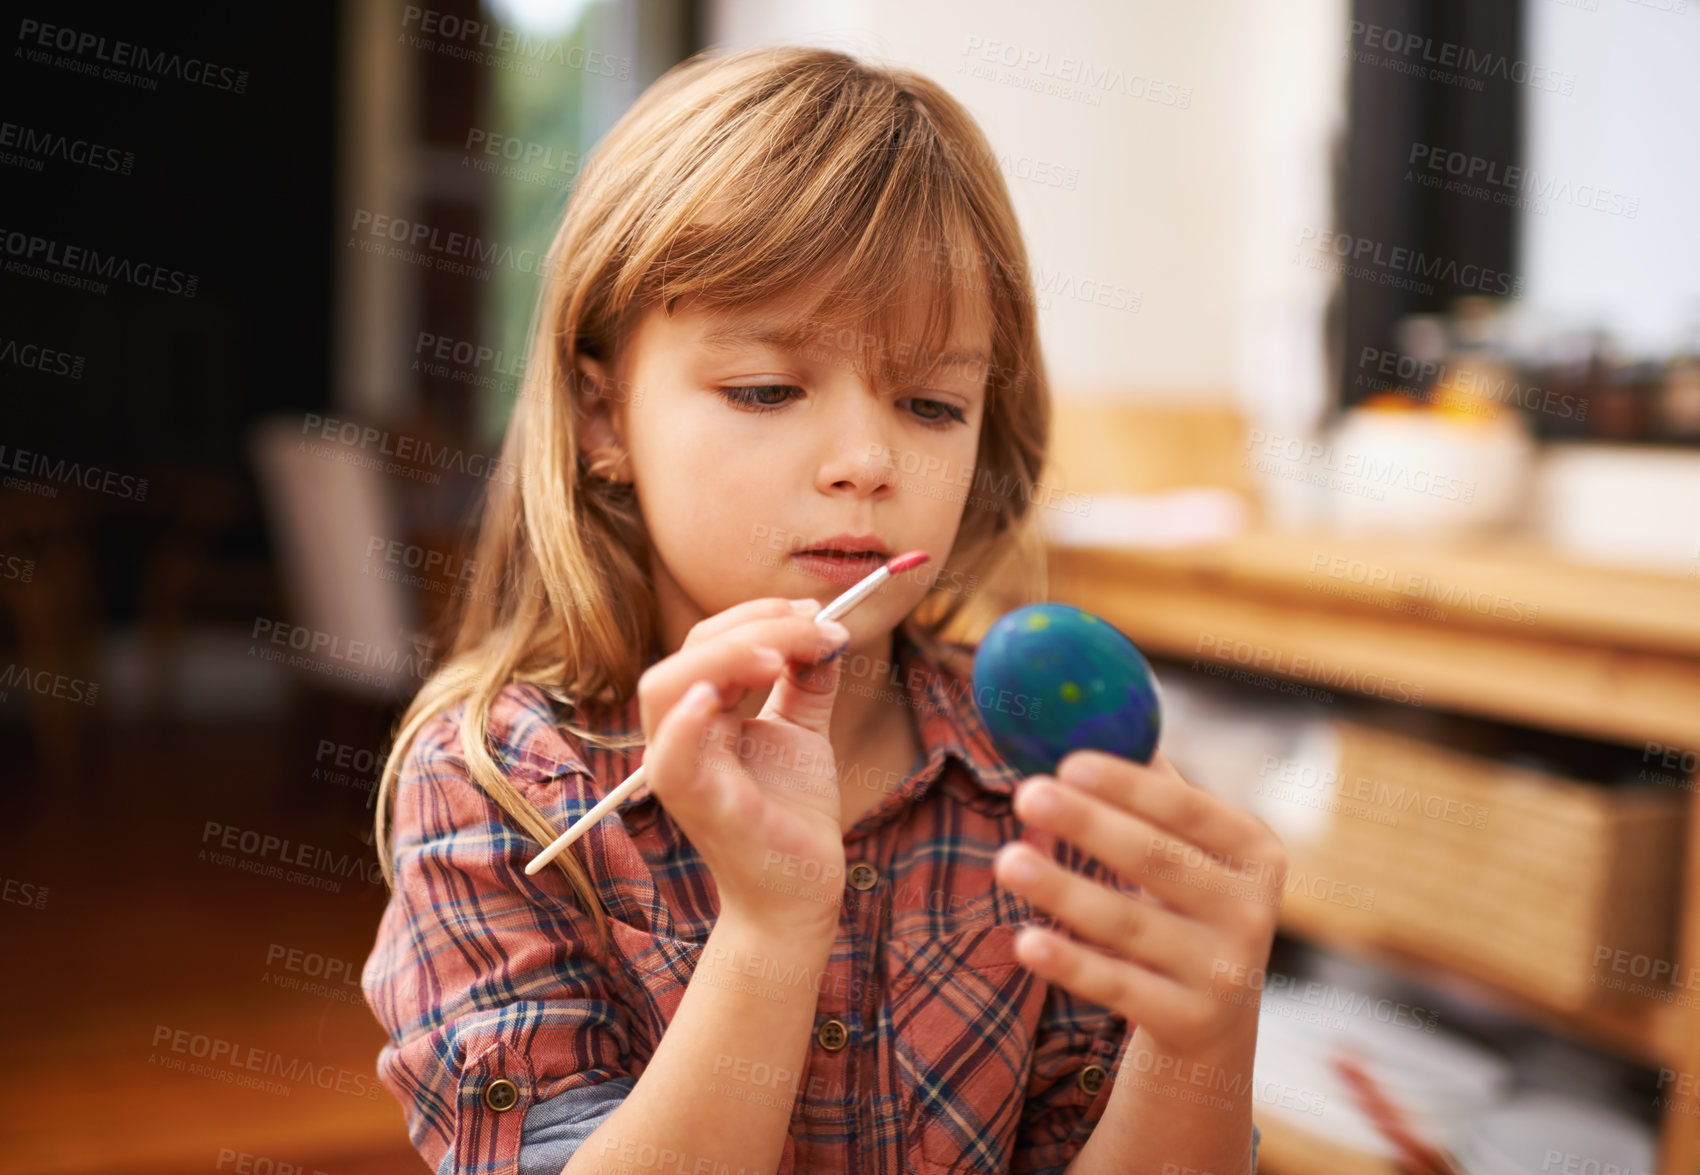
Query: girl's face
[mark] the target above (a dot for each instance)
(745, 454)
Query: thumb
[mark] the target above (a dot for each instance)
(804, 695)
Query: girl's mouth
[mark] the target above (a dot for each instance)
(838, 566)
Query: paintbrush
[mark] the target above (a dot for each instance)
(836, 610)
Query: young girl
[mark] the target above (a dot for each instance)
(788, 311)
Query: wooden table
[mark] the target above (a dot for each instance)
(1497, 629)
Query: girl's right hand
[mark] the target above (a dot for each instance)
(759, 797)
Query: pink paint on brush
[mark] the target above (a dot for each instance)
(907, 562)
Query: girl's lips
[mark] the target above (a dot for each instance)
(844, 569)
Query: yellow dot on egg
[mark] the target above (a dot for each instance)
(1070, 692)
(1037, 621)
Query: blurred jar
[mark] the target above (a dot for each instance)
(1456, 462)
(1622, 408)
(1475, 380)
(1573, 373)
(1429, 471)
(1679, 398)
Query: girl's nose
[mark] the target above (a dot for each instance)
(856, 448)
(872, 474)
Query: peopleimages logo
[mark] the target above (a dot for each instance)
(1468, 169)
(1399, 265)
(371, 447)
(90, 477)
(35, 256)
(1447, 61)
(251, 1066)
(41, 145)
(35, 35)
(1069, 77)
(43, 359)
(474, 40)
(452, 252)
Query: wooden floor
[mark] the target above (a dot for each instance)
(138, 939)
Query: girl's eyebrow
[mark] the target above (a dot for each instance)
(731, 338)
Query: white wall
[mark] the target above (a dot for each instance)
(1186, 208)
(1626, 139)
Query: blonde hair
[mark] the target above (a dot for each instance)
(734, 179)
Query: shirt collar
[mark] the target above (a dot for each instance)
(943, 701)
(941, 698)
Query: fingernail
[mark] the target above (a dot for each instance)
(838, 636)
(770, 658)
(702, 696)
(1080, 772)
(805, 607)
(1022, 869)
(1041, 801)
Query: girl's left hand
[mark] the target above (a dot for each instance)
(1184, 958)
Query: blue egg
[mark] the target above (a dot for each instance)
(1052, 678)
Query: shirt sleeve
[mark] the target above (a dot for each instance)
(1064, 1101)
(486, 980)
(1058, 1115)
(556, 1128)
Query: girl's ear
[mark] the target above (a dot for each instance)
(599, 425)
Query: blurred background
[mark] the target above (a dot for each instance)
(1375, 334)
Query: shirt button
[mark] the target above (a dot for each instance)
(833, 1035)
(501, 1094)
(863, 875)
(1092, 1079)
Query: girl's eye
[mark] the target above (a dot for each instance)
(754, 398)
(943, 416)
(750, 397)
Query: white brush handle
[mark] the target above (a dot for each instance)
(603, 806)
(609, 802)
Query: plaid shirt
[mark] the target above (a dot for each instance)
(959, 1058)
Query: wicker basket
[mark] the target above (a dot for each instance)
(1514, 875)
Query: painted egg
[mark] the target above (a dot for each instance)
(1052, 678)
